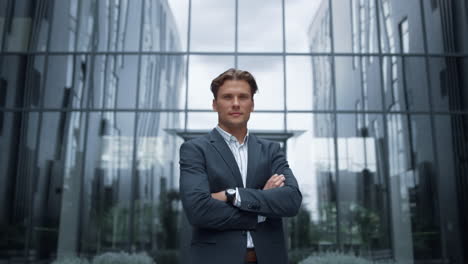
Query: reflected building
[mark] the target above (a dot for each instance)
(78, 177)
(416, 189)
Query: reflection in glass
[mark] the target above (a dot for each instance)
(363, 204)
(447, 83)
(156, 208)
(451, 142)
(322, 83)
(16, 174)
(161, 82)
(266, 121)
(319, 29)
(202, 121)
(21, 80)
(106, 180)
(416, 229)
(268, 72)
(311, 155)
(111, 79)
(206, 34)
(299, 82)
(202, 71)
(260, 26)
(299, 15)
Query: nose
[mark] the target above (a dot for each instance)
(236, 101)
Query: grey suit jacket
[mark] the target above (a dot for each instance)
(207, 165)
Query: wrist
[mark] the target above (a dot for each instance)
(230, 195)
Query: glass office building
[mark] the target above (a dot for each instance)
(369, 99)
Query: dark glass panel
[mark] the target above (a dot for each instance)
(358, 87)
(162, 82)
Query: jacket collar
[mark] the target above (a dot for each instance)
(223, 149)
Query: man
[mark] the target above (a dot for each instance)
(235, 187)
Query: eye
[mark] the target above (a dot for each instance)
(227, 96)
(244, 96)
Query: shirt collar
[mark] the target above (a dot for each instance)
(228, 137)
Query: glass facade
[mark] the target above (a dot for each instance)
(369, 98)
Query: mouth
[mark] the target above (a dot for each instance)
(235, 114)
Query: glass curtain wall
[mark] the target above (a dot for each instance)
(368, 97)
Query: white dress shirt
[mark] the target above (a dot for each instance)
(240, 152)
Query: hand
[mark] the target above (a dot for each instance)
(220, 196)
(274, 182)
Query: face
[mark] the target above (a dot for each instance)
(234, 103)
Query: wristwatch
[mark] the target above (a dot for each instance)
(230, 195)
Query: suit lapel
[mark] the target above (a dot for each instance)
(225, 152)
(254, 152)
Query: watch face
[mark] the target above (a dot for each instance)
(231, 191)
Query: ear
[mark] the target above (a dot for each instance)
(215, 106)
(253, 104)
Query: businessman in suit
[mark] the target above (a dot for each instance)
(235, 188)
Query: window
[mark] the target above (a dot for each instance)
(3, 91)
(434, 4)
(355, 32)
(404, 35)
(443, 82)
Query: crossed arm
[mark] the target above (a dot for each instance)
(208, 210)
(275, 181)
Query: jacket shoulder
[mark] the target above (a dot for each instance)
(198, 141)
(267, 144)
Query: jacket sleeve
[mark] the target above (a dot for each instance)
(277, 202)
(201, 209)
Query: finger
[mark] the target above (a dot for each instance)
(274, 176)
(279, 180)
(282, 184)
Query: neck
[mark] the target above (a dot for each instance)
(238, 132)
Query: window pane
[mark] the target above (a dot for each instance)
(307, 25)
(358, 85)
(179, 9)
(112, 81)
(16, 159)
(266, 122)
(213, 25)
(355, 26)
(203, 69)
(345, 25)
(451, 139)
(157, 210)
(268, 72)
(260, 26)
(448, 83)
(164, 25)
(364, 210)
(406, 84)
(3, 12)
(202, 121)
(162, 82)
(401, 27)
(112, 26)
(311, 156)
(414, 183)
(322, 83)
(14, 90)
(107, 186)
(299, 82)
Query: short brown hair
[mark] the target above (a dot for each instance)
(234, 75)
